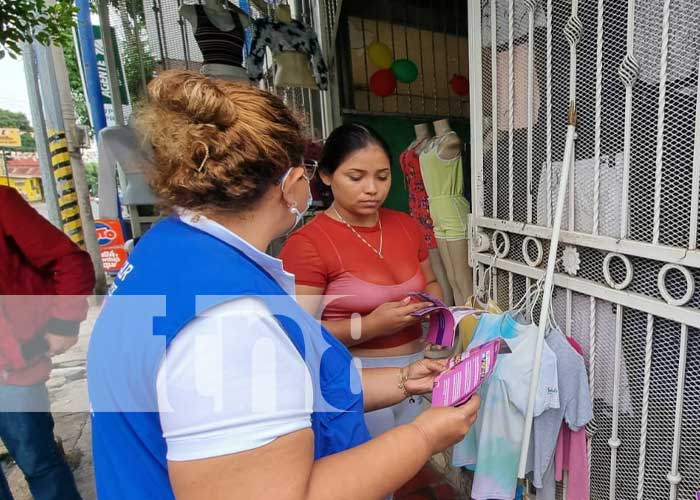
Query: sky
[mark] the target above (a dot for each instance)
(13, 87)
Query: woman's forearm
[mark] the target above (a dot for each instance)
(434, 289)
(381, 388)
(372, 470)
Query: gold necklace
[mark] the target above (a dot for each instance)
(381, 233)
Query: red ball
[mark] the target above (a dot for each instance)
(383, 83)
(460, 85)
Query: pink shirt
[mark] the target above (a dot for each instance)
(572, 455)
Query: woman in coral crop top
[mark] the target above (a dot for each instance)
(356, 263)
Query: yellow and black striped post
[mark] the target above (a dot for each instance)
(65, 187)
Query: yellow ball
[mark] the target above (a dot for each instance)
(380, 55)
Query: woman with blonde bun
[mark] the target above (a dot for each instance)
(206, 378)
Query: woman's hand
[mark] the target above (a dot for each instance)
(421, 375)
(392, 317)
(443, 427)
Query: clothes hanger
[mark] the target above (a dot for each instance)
(488, 274)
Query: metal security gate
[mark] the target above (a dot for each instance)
(629, 258)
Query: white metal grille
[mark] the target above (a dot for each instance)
(631, 215)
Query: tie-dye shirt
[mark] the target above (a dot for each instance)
(493, 444)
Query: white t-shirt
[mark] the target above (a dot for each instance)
(493, 444)
(232, 380)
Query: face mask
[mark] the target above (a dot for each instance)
(299, 215)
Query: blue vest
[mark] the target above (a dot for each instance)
(175, 273)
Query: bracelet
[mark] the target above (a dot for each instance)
(403, 378)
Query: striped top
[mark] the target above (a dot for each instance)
(217, 46)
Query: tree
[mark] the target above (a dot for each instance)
(76, 84)
(91, 177)
(11, 119)
(28, 20)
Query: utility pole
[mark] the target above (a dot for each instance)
(74, 201)
(39, 125)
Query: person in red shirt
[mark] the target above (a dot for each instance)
(356, 263)
(44, 283)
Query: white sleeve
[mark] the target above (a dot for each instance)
(231, 381)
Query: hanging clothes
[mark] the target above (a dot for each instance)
(520, 20)
(468, 325)
(279, 37)
(219, 46)
(520, 98)
(574, 412)
(493, 444)
(443, 180)
(418, 205)
(610, 207)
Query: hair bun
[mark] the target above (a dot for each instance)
(194, 95)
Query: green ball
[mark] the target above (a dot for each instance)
(405, 70)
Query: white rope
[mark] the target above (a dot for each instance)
(549, 113)
(660, 124)
(645, 406)
(511, 89)
(598, 109)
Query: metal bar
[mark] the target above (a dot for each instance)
(432, 56)
(598, 110)
(549, 113)
(155, 7)
(629, 69)
(695, 196)
(183, 35)
(364, 52)
(645, 406)
(649, 305)
(42, 141)
(661, 253)
(92, 77)
(593, 327)
(674, 478)
(110, 59)
(494, 106)
(530, 90)
(376, 30)
(548, 287)
(572, 32)
(405, 35)
(348, 111)
(476, 123)
(393, 51)
(510, 291)
(420, 42)
(445, 8)
(660, 124)
(459, 52)
(511, 89)
(614, 441)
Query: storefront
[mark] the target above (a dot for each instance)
(504, 76)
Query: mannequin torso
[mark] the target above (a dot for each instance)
(292, 67)
(219, 34)
(422, 136)
(450, 145)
